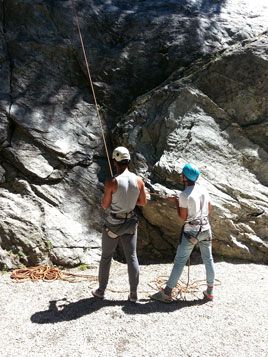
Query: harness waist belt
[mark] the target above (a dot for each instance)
(123, 215)
(197, 222)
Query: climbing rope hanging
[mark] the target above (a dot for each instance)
(91, 85)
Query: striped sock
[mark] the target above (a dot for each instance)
(210, 290)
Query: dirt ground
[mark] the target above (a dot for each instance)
(63, 319)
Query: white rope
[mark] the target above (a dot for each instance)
(92, 86)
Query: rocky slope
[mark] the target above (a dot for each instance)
(175, 81)
(197, 118)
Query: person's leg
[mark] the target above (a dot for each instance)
(183, 253)
(129, 244)
(205, 246)
(108, 248)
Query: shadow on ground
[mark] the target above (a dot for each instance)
(62, 310)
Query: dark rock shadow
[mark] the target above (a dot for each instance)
(68, 311)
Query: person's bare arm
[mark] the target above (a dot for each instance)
(142, 199)
(183, 213)
(110, 187)
(209, 208)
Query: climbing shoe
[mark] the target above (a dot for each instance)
(133, 297)
(99, 294)
(208, 295)
(161, 296)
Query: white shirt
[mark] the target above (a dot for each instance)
(196, 199)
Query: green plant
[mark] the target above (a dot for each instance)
(83, 267)
(48, 244)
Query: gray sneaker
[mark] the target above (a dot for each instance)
(133, 297)
(208, 295)
(161, 296)
(99, 294)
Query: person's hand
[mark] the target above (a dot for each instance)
(147, 192)
(173, 199)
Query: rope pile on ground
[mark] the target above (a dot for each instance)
(48, 273)
(182, 289)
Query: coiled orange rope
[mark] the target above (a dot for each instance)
(48, 273)
(182, 289)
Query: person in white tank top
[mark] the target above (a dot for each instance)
(121, 194)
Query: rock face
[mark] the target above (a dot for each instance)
(176, 81)
(187, 120)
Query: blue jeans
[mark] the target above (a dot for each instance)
(183, 253)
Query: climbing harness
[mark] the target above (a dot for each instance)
(127, 224)
(91, 84)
